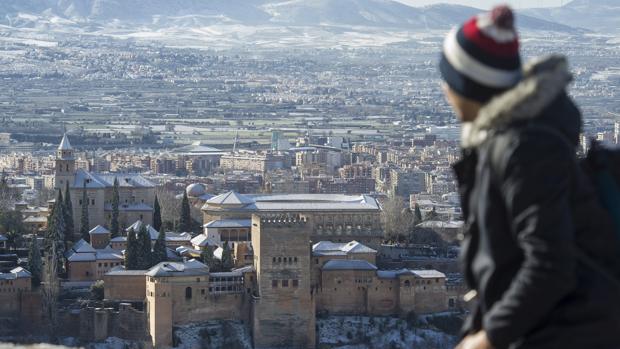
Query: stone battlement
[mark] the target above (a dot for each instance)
(279, 220)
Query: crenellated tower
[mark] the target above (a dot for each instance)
(284, 308)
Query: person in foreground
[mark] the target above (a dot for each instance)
(528, 207)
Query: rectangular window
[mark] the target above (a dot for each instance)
(284, 283)
(295, 283)
(274, 283)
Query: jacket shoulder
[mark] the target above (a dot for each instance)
(526, 144)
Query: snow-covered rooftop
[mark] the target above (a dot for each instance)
(294, 202)
(230, 223)
(323, 248)
(348, 264)
(99, 230)
(424, 274)
(189, 268)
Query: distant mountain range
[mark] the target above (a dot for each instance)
(598, 15)
(194, 13)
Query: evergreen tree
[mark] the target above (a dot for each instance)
(114, 227)
(227, 257)
(207, 257)
(417, 214)
(159, 249)
(433, 215)
(55, 237)
(84, 221)
(70, 226)
(156, 215)
(131, 252)
(185, 223)
(35, 266)
(144, 248)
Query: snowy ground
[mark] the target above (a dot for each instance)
(360, 332)
(334, 332)
(212, 335)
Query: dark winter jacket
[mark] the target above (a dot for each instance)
(529, 211)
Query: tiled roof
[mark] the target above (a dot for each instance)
(323, 248)
(200, 240)
(428, 273)
(189, 268)
(197, 148)
(99, 230)
(348, 264)
(229, 223)
(294, 202)
(97, 180)
(170, 236)
(121, 271)
(108, 254)
(356, 247)
(15, 273)
(231, 198)
(64, 143)
(393, 274)
(82, 257)
(21, 272)
(82, 247)
(138, 224)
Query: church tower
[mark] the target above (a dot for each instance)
(65, 164)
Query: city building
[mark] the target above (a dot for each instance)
(85, 263)
(336, 217)
(136, 193)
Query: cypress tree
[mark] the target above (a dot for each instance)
(433, 215)
(35, 267)
(56, 232)
(84, 221)
(207, 257)
(144, 248)
(114, 228)
(185, 222)
(417, 214)
(159, 250)
(156, 215)
(227, 258)
(68, 210)
(131, 252)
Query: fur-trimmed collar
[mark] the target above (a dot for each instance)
(543, 80)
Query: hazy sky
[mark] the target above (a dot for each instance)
(490, 3)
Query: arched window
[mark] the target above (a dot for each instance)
(407, 283)
(188, 293)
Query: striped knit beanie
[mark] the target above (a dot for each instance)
(481, 59)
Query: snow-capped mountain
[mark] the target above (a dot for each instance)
(598, 15)
(162, 13)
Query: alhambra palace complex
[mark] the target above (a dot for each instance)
(295, 256)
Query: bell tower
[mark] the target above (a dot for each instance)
(65, 164)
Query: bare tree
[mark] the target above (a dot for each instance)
(170, 206)
(43, 196)
(397, 218)
(50, 290)
(8, 195)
